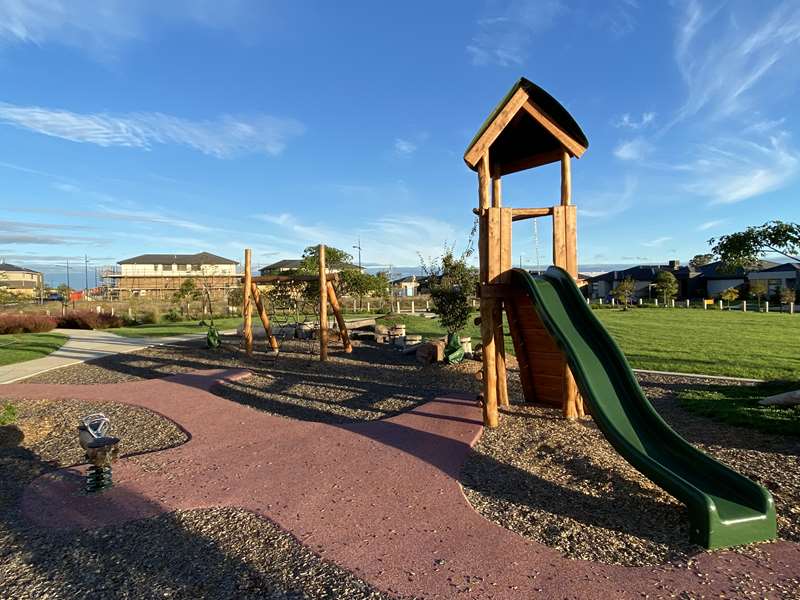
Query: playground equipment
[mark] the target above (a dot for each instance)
(327, 293)
(560, 345)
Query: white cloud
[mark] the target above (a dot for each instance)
(65, 187)
(722, 67)
(307, 234)
(606, 204)
(99, 27)
(710, 225)
(635, 149)
(404, 147)
(656, 242)
(735, 170)
(628, 122)
(224, 137)
(505, 39)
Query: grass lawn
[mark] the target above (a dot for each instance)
(712, 342)
(738, 405)
(19, 347)
(180, 328)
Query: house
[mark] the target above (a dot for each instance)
(717, 278)
(20, 281)
(644, 276)
(778, 277)
(161, 275)
(292, 264)
(405, 286)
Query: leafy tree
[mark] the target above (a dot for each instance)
(452, 285)
(787, 295)
(334, 259)
(745, 248)
(64, 291)
(236, 297)
(666, 285)
(758, 290)
(624, 292)
(700, 260)
(185, 293)
(729, 295)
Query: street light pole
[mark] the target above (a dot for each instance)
(358, 247)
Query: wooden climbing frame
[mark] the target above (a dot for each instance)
(327, 294)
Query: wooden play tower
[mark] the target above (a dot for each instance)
(528, 129)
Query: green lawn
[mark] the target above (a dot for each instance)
(181, 328)
(738, 405)
(712, 342)
(19, 347)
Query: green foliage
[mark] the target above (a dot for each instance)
(8, 414)
(787, 295)
(212, 337)
(187, 291)
(745, 248)
(148, 317)
(334, 259)
(172, 316)
(236, 297)
(666, 285)
(624, 291)
(758, 290)
(452, 282)
(64, 291)
(701, 260)
(729, 295)
(353, 282)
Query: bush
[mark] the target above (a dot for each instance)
(172, 316)
(148, 317)
(85, 319)
(26, 323)
(8, 414)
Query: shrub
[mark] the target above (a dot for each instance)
(172, 316)
(26, 323)
(148, 317)
(85, 319)
(8, 414)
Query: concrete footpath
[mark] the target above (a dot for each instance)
(83, 345)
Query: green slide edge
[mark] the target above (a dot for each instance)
(625, 416)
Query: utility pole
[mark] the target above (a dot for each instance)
(359, 252)
(85, 277)
(69, 288)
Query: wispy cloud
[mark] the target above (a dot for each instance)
(291, 225)
(710, 225)
(100, 27)
(404, 147)
(113, 212)
(628, 122)
(224, 137)
(722, 67)
(65, 187)
(634, 150)
(504, 39)
(734, 170)
(656, 242)
(609, 203)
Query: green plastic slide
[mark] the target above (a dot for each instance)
(725, 508)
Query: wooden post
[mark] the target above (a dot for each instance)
(490, 414)
(323, 306)
(744, 305)
(566, 179)
(262, 313)
(337, 312)
(247, 327)
(766, 305)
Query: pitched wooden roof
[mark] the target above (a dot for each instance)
(527, 129)
(201, 258)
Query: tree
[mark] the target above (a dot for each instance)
(236, 296)
(666, 285)
(309, 265)
(700, 260)
(787, 295)
(745, 248)
(758, 290)
(452, 281)
(185, 293)
(729, 295)
(624, 292)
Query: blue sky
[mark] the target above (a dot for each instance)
(139, 126)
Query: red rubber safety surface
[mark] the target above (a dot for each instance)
(380, 499)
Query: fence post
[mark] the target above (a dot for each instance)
(672, 302)
(412, 307)
(600, 300)
(367, 305)
(687, 303)
(705, 304)
(656, 301)
(720, 303)
(398, 307)
(744, 305)
(427, 306)
(613, 302)
(766, 306)
(640, 301)
(791, 308)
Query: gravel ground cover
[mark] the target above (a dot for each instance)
(563, 485)
(371, 383)
(224, 553)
